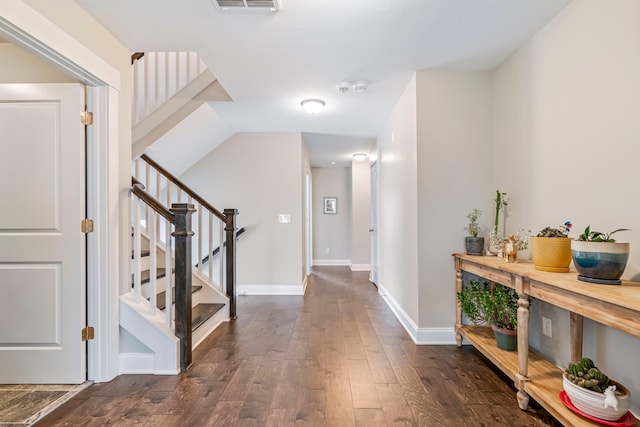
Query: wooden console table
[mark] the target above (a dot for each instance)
(614, 306)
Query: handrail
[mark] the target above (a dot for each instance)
(184, 187)
(217, 250)
(138, 189)
(136, 56)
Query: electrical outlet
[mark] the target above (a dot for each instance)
(546, 327)
(327, 251)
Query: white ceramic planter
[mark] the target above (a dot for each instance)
(592, 403)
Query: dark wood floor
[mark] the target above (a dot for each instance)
(335, 357)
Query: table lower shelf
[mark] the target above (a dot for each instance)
(545, 382)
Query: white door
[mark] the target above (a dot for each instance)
(373, 231)
(42, 250)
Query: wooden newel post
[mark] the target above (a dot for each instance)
(182, 235)
(230, 237)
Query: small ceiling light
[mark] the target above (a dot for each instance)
(359, 157)
(312, 106)
(343, 87)
(360, 86)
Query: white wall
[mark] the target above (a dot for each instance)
(260, 175)
(360, 215)
(435, 161)
(454, 164)
(331, 231)
(567, 108)
(398, 205)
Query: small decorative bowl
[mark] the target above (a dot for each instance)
(593, 403)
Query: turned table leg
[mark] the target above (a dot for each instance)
(458, 307)
(523, 345)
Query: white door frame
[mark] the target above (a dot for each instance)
(374, 275)
(23, 26)
(308, 223)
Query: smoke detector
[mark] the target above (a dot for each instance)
(343, 87)
(360, 86)
(247, 5)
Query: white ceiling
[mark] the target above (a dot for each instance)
(269, 62)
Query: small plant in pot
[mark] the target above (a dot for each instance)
(493, 304)
(473, 243)
(551, 249)
(599, 258)
(593, 393)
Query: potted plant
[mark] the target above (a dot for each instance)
(551, 249)
(474, 244)
(494, 304)
(593, 393)
(599, 258)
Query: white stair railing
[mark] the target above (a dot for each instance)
(158, 76)
(146, 222)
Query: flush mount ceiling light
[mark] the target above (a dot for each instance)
(312, 106)
(359, 157)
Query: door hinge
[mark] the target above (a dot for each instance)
(86, 118)
(87, 333)
(86, 225)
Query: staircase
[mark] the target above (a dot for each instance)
(183, 256)
(168, 86)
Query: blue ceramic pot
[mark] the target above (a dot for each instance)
(600, 262)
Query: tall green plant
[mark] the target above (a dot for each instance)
(501, 202)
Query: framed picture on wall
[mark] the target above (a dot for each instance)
(330, 205)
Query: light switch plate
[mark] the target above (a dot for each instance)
(284, 218)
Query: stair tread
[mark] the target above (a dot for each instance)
(160, 299)
(203, 312)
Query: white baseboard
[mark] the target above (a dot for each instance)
(360, 267)
(436, 336)
(345, 262)
(137, 363)
(272, 289)
(420, 336)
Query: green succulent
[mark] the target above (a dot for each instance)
(585, 374)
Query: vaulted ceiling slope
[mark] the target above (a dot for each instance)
(269, 62)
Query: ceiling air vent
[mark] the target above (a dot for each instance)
(247, 5)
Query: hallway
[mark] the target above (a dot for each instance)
(335, 357)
